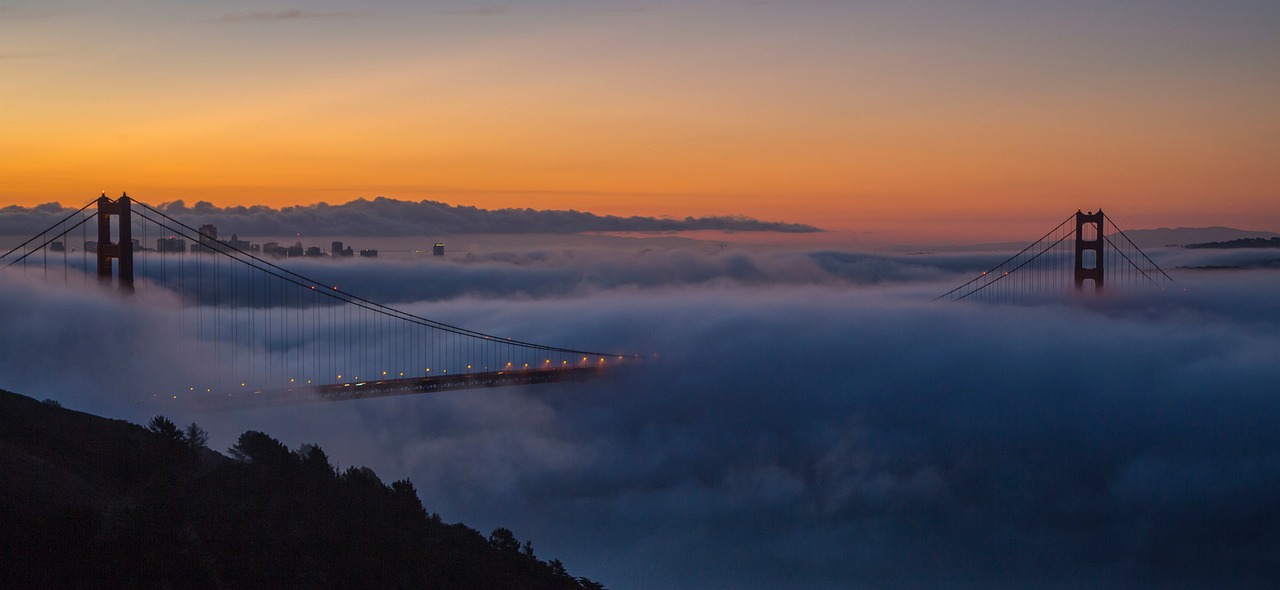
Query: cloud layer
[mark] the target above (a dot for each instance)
(390, 217)
(814, 424)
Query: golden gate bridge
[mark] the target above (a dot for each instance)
(270, 335)
(1077, 254)
(267, 334)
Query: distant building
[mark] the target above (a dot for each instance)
(208, 235)
(438, 249)
(369, 253)
(91, 246)
(295, 251)
(171, 244)
(335, 248)
(58, 247)
(207, 241)
(314, 252)
(236, 242)
(274, 249)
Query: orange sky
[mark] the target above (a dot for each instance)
(873, 117)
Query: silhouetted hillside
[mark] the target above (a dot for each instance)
(91, 502)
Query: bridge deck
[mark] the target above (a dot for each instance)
(389, 387)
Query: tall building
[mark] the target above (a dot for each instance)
(208, 240)
(236, 242)
(208, 234)
(171, 244)
(438, 249)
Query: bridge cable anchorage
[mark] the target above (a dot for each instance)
(1049, 263)
(257, 323)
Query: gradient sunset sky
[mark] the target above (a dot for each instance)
(895, 116)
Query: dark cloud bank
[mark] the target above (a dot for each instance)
(814, 421)
(389, 217)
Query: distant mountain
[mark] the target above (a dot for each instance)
(87, 502)
(1179, 236)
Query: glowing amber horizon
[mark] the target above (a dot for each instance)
(833, 115)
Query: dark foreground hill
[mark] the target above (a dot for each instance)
(89, 502)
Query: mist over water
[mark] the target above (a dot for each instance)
(808, 419)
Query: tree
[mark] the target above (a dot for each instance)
(259, 448)
(558, 571)
(165, 428)
(315, 463)
(504, 540)
(196, 437)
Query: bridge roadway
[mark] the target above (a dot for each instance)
(389, 387)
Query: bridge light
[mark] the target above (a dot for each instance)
(384, 372)
(290, 380)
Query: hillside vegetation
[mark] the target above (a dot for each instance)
(92, 502)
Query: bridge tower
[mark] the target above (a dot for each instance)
(1089, 250)
(121, 250)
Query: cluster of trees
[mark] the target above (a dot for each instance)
(268, 516)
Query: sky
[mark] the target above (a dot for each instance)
(975, 120)
(813, 419)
